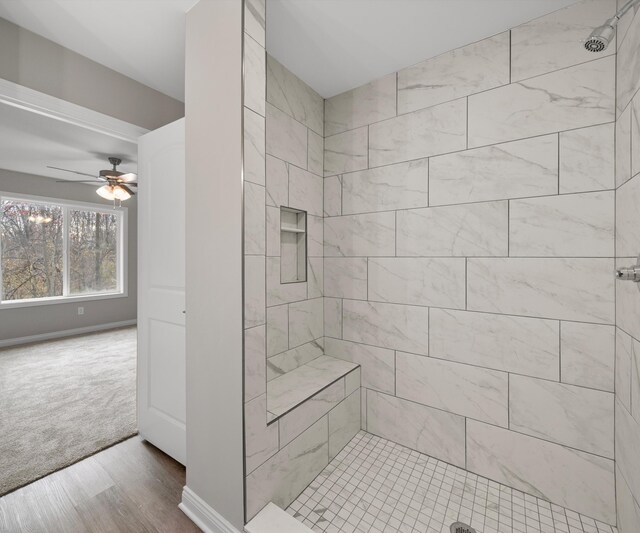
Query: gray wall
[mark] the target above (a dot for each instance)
(35, 320)
(627, 294)
(35, 62)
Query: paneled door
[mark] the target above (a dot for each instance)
(161, 289)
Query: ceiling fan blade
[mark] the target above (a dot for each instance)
(131, 176)
(95, 182)
(74, 171)
(127, 189)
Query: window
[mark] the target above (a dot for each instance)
(52, 250)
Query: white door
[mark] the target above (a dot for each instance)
(161, 289)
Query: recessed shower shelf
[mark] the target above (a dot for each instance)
(292, 230)
(294, 388)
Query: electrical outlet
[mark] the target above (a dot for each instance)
(81, 310)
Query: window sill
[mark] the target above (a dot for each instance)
(11, 304)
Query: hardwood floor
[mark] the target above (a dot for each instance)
(130, 487)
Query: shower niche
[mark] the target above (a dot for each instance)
(293, 245)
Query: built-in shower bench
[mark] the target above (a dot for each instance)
(292, 389)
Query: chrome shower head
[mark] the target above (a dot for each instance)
(601, 36)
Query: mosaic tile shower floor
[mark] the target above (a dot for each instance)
(374, 485)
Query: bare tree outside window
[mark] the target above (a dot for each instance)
(93, 257)
(32, 250)
(34, 238)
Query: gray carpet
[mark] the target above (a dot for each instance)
(63, 400)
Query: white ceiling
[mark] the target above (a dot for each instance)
(142, 39)
(333, 45)
(30, 141)
(336, 45)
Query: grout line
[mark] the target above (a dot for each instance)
(462, 150)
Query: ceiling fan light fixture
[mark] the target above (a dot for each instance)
(120, 193)
(107, 192)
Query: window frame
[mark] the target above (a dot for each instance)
(70, 205)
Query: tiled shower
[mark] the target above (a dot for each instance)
(459, 309)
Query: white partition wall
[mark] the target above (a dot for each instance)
(214, 497)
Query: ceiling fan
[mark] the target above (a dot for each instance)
(116, 185)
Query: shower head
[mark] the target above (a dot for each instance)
(601, 36)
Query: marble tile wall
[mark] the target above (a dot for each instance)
(294, 122)
(470, 211)
(284, 323)
(627, 337)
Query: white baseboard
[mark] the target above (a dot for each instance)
(203, 515)
(65, 333)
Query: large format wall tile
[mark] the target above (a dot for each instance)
(277, 329)
(458, 230)
(514, 344)
(254, 219)
(462, 389)
(400, 186)
(346, 152)
(555, 41)
(419, 427)
(255, 358)
(277, 173)
(438, 282)
(365, 105)
(624, 355)
(587, 159)
(635, 135)
(572, 225)
(285, 475)
(254, 147)
(623, 147)
(281, 293)
(628, 302)
(568, 289)
(286, 138)
(574, 416)
(254, 19)
(333, 196)
(522, 168)
(628, 71)
(627, 438)
(377, 364)
(306, 414)
(432, 131)
(588, 355)
(315, 236)
(305, 321)
(254, 291)
(578, 480)
(284, 362)
(315, 277)
(305, 191)
(575, 97)
(628, 219)
(473, 68)
(360, 235)
(315, 155)
(261, 440)
(627, 505)
(291, 95)
(398, 327)
(344, 423)
(254, 75)
(332, 318)
(346, 277)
